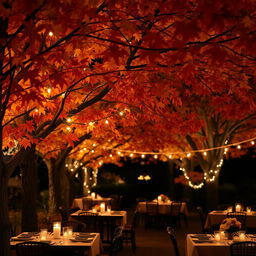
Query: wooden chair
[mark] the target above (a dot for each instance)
(90, 219)
(240, 216)
(78, 226)
(87, 203)
(247, 248)
(175, 216)
(202, 217)
(172, 236)
(152, 216)
(116, 242)
(129, 232)
(32, 249)
(65, 213)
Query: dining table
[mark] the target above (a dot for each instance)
(103, 222)
(90, 242)
(79, 202)
(206, 244)
(163, 207)
(217, 216)
(119, 216)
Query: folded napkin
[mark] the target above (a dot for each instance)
(81, 239)
(203, 241)
(21, 238)
(85, 235)
(200, 236)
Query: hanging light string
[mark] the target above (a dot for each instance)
(208, 176)
(169, 154)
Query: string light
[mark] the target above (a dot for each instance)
(68, 128)
(181, 153)
(69, 120)
(106, 122)
(50, 33)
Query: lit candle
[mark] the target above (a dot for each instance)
(217, 237)
(109, 208)
(242, 236)
(248, 209)
(56, 229)
(159, 198)
(222, 235)
(238, 208)
(229, 209)
(102, 207)
(43, 234)
(94, 210)
(70, 231)
(93, 195)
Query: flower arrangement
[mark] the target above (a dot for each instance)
(163, 198)
(230, 225)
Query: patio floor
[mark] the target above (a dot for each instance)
(152, 241)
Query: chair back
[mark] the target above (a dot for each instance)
(116, 242)
(78, 226)
(172, 236)
(90, 219)
(175, 208)
(201, 214)
(152, 208)
(32, 249)
(240, 216)
(247, 248)
(65, 213)
(87, 203)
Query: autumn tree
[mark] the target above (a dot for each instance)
(55, 66)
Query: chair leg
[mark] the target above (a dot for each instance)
(133, 241)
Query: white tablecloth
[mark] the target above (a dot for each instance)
(94, 246)
(216, 217)
(206, 249)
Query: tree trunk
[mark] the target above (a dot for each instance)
(29, 197)
(52, 205)
(4, 219)
(212, 194)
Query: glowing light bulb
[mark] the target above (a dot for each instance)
(50, 33)
(155, 156)
(106, 122)
(68, 128)
(131, 155)
(239, 146)
(69, 120)
(49, 90)
(188, 154)
(252, 142)
(142, 156)
(205, 153)
(170, 156)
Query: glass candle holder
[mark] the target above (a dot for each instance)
(65, 232)
(56, 229)
(102, 207)
(43, 234)
(70, 231)
(217, 235)
(93, 195)
(159, 199)
(248, 209)
(109, 208)
(238, 207)
(241, 235)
